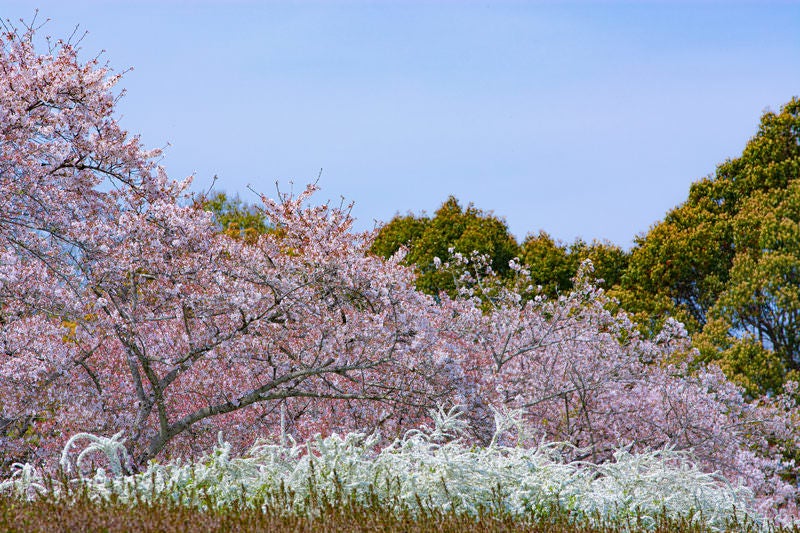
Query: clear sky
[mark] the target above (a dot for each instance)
(585, 119)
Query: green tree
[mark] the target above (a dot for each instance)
(609, 260)
(233, 216)
(762, 298)
(744, 359)
(398, 232)
(688, 256)
(728, 259)
(550, 262)
(553, 264)
(683, 260)
(463, 230)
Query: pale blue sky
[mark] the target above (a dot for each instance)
(585, 119)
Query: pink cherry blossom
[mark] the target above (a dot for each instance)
(123, 309)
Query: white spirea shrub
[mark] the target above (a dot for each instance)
(431, 467)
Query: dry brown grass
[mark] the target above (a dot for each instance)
(82, 514)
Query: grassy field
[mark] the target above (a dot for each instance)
(80, 513)
(421, 482)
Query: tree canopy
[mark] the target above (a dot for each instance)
(452, 229)
(233, 216)
(729, 256)
(553, 265)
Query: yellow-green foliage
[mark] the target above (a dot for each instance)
(234, 217)
(727, 261)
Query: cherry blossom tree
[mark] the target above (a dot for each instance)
(124, 309)
(582, 374)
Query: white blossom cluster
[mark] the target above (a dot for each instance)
(432, 468)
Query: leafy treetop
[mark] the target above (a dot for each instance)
(235, 217)
(451, 229)
(728, 257)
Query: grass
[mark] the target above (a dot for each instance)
(80, 512)
(429, 480)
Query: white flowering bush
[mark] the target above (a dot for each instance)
(429, 468)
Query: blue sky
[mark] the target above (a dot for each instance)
(585, 119)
